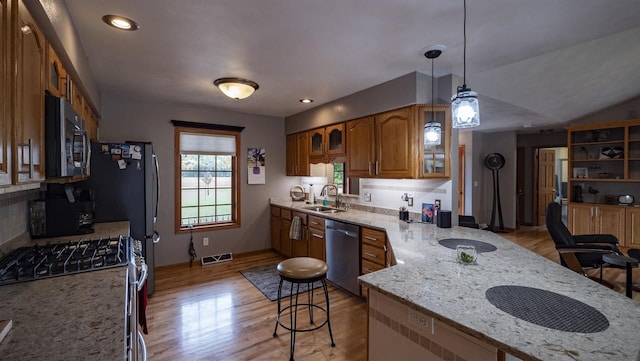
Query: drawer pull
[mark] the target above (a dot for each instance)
(370, 238)
(316, 235)
(370, 255)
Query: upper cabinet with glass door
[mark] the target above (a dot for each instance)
(435, 159)
(326, 143)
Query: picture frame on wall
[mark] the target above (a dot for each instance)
(581, 172)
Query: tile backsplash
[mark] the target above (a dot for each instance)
(387, 193)
(14, 215)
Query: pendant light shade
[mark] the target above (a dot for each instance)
(236, 88)
(465, 109)
(464, 105)
(432, 129)
(432, 134)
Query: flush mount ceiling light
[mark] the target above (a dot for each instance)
(433, 129)
(306, 100)
(464, 105)
(120, 22)
(236, 88)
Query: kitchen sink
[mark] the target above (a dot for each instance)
(324, 209)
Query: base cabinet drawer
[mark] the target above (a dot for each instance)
(374, 237)
(374, 254)
(369, 267)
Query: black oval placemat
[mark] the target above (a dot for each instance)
(479, 245)
(547, 309)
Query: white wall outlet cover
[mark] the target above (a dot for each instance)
(367, 197)
(205, 241)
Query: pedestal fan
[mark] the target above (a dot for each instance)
(495, 161)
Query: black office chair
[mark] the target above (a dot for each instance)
(580, 251)
(467, 221)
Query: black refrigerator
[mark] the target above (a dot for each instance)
(124, 179)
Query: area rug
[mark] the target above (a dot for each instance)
(266, 279)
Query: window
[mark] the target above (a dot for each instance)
(207, 181)
(338, 176)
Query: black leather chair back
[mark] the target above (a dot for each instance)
(559, 232)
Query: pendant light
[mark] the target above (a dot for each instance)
(432, 129)
(464, 106)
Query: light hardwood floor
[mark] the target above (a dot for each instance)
(214, 313)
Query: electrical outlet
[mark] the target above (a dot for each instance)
(205, 241)
(367, 197)
(419, 320)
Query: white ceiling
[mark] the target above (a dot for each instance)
(541, 62)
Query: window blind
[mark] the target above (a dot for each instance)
(194, 143)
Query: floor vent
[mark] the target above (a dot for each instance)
(223, 257)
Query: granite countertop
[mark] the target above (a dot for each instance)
(102, 230)
(69, 317)
(428, 278)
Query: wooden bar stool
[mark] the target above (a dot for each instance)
(301, 270)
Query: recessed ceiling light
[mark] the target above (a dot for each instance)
(306, 100)
(120, 22)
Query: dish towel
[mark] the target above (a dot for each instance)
(296, 228)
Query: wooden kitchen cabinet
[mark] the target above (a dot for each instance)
(298, 154)
(286, 245)
(56, 74)
(374, 250)
(597, 219)
(90, 122)
(317, 239)
(326, 143)
(301, 246)
(361, 153)
(383, 145)
(5, 91)
(276, 229)
(77, 99)
(30, 63)
(633, 227)
(396, 139)
(604, 162)
(435, 161)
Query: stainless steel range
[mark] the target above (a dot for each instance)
(31, 263)
(52, 260)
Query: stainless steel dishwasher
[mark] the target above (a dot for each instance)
(343, 255)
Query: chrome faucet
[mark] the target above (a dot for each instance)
(325, 192)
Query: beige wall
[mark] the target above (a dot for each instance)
(126, 119)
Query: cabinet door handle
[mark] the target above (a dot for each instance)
(316, 235)
(377, 169)
(28, 145)
(369, 168)
(370, 255)
(313, 222)
(370, 238)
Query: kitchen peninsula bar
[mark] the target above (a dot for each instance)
(428, 292)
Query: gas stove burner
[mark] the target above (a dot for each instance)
(37, 262)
